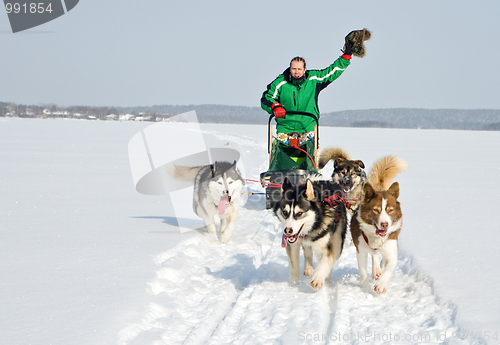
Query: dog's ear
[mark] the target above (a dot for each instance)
(286, 184)
(233, 166)
(360, 163)
(337, 161)
(394, 190)
(368, 192)
(213, 168)
(309, 190)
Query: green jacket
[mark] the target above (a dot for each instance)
(301, 97)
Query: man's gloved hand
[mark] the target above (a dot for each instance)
(278, 110)
(348, 48)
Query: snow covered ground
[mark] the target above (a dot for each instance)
(85, 259)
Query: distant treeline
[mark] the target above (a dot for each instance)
(462, 119)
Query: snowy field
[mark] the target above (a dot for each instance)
(85, 259)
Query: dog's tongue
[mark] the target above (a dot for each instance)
(224, 200)
(345, 188)
(284, 242)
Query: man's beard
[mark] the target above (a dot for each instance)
(299, 80)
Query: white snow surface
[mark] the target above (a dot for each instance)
(85, 259)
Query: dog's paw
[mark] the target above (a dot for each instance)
(308, 270)
(223, 240)
(317, 283)
(376, 273)
(380, 288)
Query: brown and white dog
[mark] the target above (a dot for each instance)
(348, 173)
(376, 226)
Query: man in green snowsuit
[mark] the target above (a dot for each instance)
(297, 90)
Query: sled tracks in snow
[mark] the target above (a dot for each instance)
(238, 293)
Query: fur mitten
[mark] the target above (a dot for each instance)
(357, 38)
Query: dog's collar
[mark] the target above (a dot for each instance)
(366, 240)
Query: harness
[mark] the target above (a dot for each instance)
(333, 202)
(336, 200)
(366, 240)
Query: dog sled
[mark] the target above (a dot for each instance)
(294, 158)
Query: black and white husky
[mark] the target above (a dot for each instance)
(217, 191)
(313, 217)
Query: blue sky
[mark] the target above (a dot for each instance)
(425, 54)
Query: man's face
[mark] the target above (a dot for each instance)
(297, 69)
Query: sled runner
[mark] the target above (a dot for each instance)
(295, 157)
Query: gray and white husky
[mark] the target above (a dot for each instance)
(217, 191)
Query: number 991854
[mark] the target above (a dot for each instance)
(34, 7)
